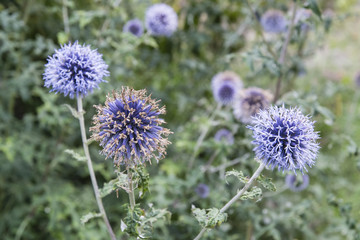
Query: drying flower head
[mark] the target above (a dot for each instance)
(202, 190)
(134, 27)
(129, 129)
(161, 20)
(225, 86)
(75, 70)
(273, 21)
(284, 138)
(249, 102)
(295, 184)
(224, 135)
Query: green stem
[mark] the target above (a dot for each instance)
(237, 196)
(91, 169)
(131, 190)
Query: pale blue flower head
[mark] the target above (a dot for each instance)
(249, 102)
(202, 190)
(161, 20)
(273, 21)
(295, 184)
(75, 70)
(225, 86)
(129, 128)
(224, 135)
(284, 139)
(134, 27)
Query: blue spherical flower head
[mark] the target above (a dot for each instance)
(134, 27)
(249, 102)
(273, 21)
(284, 138)
(129, 129)
(202, 190)
(224, 135)
(295, 184)
(161, 20)
(225, 86)
(75, 70)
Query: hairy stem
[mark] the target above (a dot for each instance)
(131, 190)
(237, 196)
(91, 169)
(283, 53)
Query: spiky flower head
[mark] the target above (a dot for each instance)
(295, 184)
(75, 70)
(129, 129)
(224, 135)
(134, 27)
(202, 190)
(284, 139)
(161, 20)
(273, 21)
(249, 102)
(225, 86)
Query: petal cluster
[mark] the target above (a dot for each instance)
(134, 27)
(129, 129)
(161, 20)
(284, 138)
(225, 86)
(273, 21)
(249, 102)
(75, 70)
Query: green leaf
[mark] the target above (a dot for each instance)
(76, 155)
(120, 182)
(312, 4)
(266, 183)
(237, 174)
(84, 219)
(254, 193)
(142, 178)
(72, 110)
(209, 218)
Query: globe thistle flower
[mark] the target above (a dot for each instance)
(249, 102)
(225, 86)
(273, 21)
(284, 138)
(293, 183)
(224, 135)
(161, 20)
(134, 27)
(202, 190)
(129, 129)
(75, 69)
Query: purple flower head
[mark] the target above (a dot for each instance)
(202, 190)
(225, 86)
(161, 20)
(250, 102)
(273, 21)
(295, 184)
(129, 129)
(224, 135)
(284, 138)
(75, 70)
(357, 80)
(134, 27)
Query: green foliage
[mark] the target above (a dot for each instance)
(209, 218)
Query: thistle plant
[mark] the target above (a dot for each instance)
(274, 21)
(225, 86)
(76, 70)
(161, 20)
(135, 27)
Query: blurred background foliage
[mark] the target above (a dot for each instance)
(44, 191)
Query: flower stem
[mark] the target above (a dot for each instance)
(91, 169)
(131, 190)
(237, 196)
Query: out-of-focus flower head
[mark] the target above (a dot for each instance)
(284, 139)
(225, 86)
(294, 184)
(134, 27)
(273, 21)
(249, 102)
(129, 129)
(161, 20)
(75, 70)
(202, 190)
(224, 135)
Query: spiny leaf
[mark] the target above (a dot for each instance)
(312, 4)
(254, 193)
(76, 155)
(84, 219)
(238, 174)
(72, 110)
(266, 183)
(209, 218)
